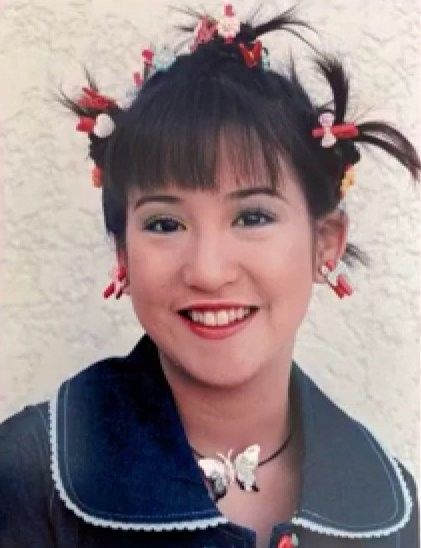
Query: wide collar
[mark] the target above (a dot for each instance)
(120, 457)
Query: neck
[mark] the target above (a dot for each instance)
(217, 419)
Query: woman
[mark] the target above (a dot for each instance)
(223, 185)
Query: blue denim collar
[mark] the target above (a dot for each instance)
(120, 457)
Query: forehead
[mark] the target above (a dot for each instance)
(229, 188)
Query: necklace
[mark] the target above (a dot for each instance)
(222, 471)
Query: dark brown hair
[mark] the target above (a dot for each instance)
(172, 131)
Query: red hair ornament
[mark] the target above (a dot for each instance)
(147, 55)
(203, 33)
(253, 56)
(94, 100)
(331, 133)
(86, 124)
(138, 80)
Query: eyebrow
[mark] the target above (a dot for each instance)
(235, 195)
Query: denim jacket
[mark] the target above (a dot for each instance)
(106, 464)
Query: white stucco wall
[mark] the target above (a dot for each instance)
(364, 351)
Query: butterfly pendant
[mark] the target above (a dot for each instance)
(221, 472)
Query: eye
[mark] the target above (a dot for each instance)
(257, 214)
(163, 223)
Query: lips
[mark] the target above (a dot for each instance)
(217, 331)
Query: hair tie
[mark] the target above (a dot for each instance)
(330, 133)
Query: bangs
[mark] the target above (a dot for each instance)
(181, 134)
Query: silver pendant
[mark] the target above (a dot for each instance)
(222, 471)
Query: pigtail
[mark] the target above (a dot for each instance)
(97, 117)
(376, 133)
(391, 141)
(342, 152)
(333, 71)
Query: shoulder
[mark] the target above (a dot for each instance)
(25, 478)
(23, 425)
(26, 433)
(342, 456)
(24, 442)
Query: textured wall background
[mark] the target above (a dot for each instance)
(364, 351)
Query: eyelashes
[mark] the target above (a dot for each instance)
(168, 224)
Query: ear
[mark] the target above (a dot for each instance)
(331, 234)
(121, 257)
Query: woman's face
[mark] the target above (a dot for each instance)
(213, 247)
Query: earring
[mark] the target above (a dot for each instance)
(118, 284)
(336, 278)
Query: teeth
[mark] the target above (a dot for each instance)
(222, 317)
(209, 318)
(232, 315)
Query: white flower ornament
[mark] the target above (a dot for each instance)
(326, 120)
(104, 125)
(229, 25)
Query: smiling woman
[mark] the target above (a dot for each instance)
(223, 187)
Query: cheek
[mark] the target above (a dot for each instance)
(289, 276)
(148, 276)
(146, 272)
(288, 257)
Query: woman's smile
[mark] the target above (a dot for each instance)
(211, 326)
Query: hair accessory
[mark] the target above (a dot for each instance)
(93, 100)
(96, 177)
(203, 33)
(336, 278)
(104, 125)
(164, 58)
(331, 133)
(288, 541)
(348, 179)
(229, 25)
(101, 126)
(265, 59)
(118, 284)
(252, 57)
(222, 472)
(85, 124)
(147, 55)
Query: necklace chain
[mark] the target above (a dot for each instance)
(268, 459)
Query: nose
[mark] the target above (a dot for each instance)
(209, 263)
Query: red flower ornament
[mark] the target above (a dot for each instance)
(252, 57)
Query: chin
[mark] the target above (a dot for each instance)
(207, 372)
(224, 379)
